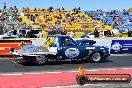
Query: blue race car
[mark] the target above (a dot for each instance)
(62, 47)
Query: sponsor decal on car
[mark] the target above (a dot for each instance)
(72, 52)
(90, 47)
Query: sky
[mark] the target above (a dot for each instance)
(85, 5)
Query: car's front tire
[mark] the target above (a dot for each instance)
(96, 57)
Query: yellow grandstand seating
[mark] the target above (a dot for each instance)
(76, 25)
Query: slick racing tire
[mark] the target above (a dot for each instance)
(40, 60)
(96, 57)
(81, 80)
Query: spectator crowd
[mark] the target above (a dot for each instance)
(65, 22)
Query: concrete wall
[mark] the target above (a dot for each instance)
(38, 42)
(99, 41)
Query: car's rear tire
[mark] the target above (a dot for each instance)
(96, 57)
(40, 60)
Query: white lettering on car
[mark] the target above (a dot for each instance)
(90, 47)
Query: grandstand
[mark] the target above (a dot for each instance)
(117, 19)
(73, 20)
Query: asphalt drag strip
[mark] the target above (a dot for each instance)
(7, 66)
(61, 74)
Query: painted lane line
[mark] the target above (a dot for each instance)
(86, 85)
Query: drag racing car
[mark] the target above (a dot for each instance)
(62, 47)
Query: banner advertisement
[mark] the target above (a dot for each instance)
(121, 47)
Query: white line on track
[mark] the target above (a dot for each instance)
(41, 72)
(120, 54)
(93, 85)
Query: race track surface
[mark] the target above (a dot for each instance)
(65, 79)
(6, 65)
(11, 74)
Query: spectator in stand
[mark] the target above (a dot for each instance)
(114, 24)
(109, 33)
(121, 18)
(4, 10)
(105, 21)
(63, 32)
(28, 35)
(63, 8)
(0, 12)
(15, 32)
(129, 33)
(45, 31)
(40, 34)
(51, 31)
(72, 34)
(15, 13)
(101, 34)
(89, 20)
(96, 33)
(1, 28)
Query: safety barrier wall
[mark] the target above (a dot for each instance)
(115, 45)
(106, 42)
(121, 47)
(38, 42)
